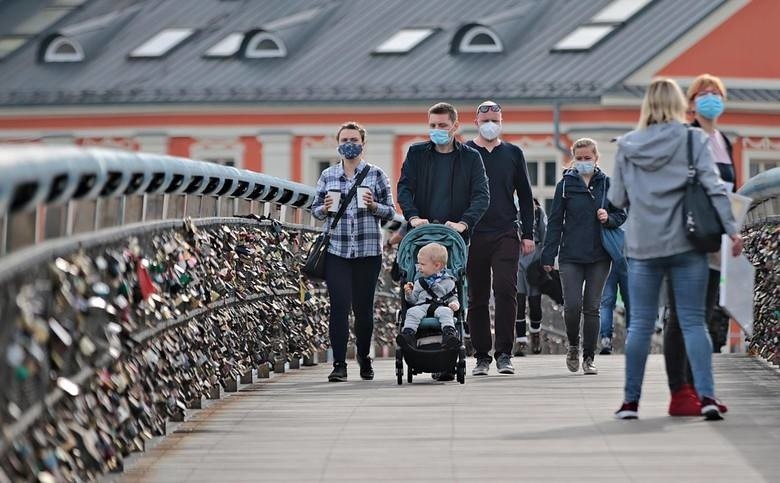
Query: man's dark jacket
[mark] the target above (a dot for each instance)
(468, 184)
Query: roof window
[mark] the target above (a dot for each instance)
(478, 40)
(42, 20)
(9, 44)
(227, 47)
(606, 21)
(162, 43)
(404, 41)
(63, 49)
(264, 45)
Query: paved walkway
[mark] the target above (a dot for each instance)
(542, 424)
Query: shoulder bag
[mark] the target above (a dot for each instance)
(613, 239)
(703, 227)
(314, 266)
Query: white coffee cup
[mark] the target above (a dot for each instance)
(335, 196)
(362, 190)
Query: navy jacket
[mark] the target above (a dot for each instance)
(468, 183)
(572, 227)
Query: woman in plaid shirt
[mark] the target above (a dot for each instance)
(355, 253)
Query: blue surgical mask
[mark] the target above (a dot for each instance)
(439, 136)
(584, 167)
(350, 150)
(490, 130)
(710, 106)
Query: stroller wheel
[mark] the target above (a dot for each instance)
(409, 375)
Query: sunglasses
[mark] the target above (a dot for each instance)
(492, 107)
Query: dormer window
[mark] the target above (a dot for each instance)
(479, 40)
(63, 49)
(264, 45)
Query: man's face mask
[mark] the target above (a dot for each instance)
(350, 150)
(490, 130)
(439, 136)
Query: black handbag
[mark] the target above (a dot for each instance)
(702, 223)
(314, 266)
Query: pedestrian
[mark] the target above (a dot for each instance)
(529, 291)
(497, 243)
(354, 256)
(574, 235)
(651, 168)
(443, 180)
(705, 102)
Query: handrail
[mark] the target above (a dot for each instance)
(34, 176)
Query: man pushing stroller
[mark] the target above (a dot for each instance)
(433, 295)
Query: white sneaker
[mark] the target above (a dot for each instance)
(588, 367)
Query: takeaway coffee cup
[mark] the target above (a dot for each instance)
(334, 195)
(360, 192)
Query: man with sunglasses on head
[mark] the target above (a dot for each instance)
(495, 244)
(443, 180)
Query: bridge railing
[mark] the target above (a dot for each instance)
(762, 247)
(56, 191)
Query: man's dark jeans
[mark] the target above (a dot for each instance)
(498, 253)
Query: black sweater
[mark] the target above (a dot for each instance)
(507, 174)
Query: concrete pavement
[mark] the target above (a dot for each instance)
(542, 424)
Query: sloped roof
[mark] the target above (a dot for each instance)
(332, 61)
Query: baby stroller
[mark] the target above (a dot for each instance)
(429, 356)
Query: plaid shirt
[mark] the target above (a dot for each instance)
(357, 233)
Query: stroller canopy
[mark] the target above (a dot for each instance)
(421, 236)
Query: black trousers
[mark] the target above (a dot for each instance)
(351, 286)
(496, 253)
(678, 371)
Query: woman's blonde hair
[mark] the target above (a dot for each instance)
(664, 102)
(435, 253)
(584, 143)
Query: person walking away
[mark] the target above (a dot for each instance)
(651, 169)
(354, 256)
(706, 97)
(574, 236)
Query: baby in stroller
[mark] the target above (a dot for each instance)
(434, 294)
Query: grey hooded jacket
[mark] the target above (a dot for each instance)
(651, 167)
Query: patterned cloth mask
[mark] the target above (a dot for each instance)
(350, 150)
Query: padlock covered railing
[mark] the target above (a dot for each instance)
(762, 247)
(56, 191)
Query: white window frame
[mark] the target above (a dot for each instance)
(313, 152)
(253, 52)
(222, 148)
(51, 54)
(467, 47)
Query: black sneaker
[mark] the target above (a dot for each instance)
(629, 410)
(518, 350)
(406, 338)
(445, 376)
(339, 373)
(482, 368)
(536, 342)
(449, 338)
(711, 409)
(366, 371)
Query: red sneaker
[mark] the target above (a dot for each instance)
(685, 402)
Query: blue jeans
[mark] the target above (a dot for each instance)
(688, 272)
(609, 299)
